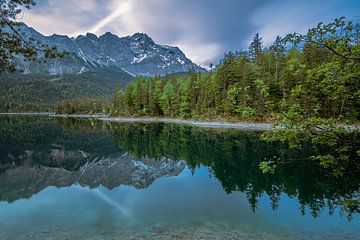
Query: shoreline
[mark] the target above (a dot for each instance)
(255, 126)
(28, 114)
(207, 124)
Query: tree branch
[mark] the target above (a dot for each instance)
(334, 51)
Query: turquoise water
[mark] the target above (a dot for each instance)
(83, 179)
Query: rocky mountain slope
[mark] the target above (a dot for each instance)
(137, 55)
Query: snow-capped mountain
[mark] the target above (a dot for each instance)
(136, 54)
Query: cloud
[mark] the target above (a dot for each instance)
(203, 29)
(199, 52)
(64, 17)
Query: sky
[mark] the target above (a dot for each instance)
(203, 29)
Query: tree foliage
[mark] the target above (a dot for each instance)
(13, 43)
(81, 106)
(327, 94)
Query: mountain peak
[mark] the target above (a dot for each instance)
(58, 36)
(88, 35)
(109, 35)
(141, 37)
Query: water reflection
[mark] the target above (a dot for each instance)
(36, 155)
(233, 158)
(81, 157)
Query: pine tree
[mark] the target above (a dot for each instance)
(278, 49)
(256, 48)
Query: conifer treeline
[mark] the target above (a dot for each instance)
(257, 84)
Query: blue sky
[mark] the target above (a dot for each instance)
(203, 29)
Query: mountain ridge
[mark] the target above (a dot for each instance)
(135, 54)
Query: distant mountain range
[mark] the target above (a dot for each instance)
(135, 55)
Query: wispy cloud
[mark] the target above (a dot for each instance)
(64, 17)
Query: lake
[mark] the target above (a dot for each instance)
(86, 179)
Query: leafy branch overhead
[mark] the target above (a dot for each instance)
(340, 37)
(13, 43)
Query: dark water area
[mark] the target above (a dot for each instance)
(86, 179)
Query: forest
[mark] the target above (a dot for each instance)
(310, 75)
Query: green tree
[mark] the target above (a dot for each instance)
(256, 48)
(278, 49)
(166, 99)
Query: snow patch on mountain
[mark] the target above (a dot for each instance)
(139, 58)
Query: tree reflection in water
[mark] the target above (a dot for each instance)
(232, 157)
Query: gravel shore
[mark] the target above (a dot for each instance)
(215, 124)
(207, 124)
